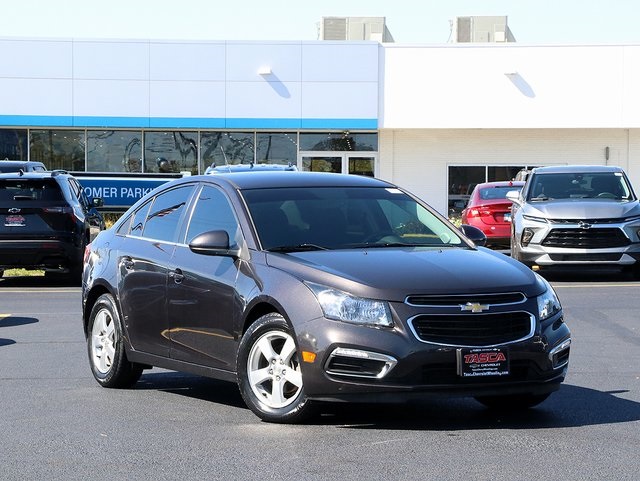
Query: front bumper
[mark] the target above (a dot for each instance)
(403, 367)
(572, 244)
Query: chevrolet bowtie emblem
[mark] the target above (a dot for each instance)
(14, 210)
(474, 307)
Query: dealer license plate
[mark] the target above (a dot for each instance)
(14, 221)
(476, 362)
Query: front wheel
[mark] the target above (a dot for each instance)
(105, 345)
(269, 374)
(512, 402)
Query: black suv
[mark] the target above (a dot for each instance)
(46, 220)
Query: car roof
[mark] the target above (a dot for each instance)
(577, 169)
(34, 174)
(230, 168)
(20, 164)
(283, 179)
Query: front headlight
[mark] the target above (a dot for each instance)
(535, 219)
(548, 302)
(341, 306)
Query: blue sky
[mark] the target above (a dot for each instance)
(410, 21)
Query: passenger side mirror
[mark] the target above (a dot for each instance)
(97, 202)
(514, 196)
(474, 234)
(213, 243)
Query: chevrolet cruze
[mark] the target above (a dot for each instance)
(306, 287)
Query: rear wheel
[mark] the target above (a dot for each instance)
(269, 375)
(105, 345)
(512, 402)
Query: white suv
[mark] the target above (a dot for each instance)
(576, 214)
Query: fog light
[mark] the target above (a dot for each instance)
(527, 235)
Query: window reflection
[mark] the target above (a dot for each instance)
(171, 152)
(339, 141)
(276, 148)
(322, 164)
(222, 148)
(114, 151)
(361, 166)
(13, 144)
(58, 149)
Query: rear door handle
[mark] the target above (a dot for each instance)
(176, 275)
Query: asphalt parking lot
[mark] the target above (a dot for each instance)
(58, 423)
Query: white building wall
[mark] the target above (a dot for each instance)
(511, 86)
(122, 83)
(418, 159)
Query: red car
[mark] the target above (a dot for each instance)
(490, 211)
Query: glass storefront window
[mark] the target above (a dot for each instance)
(362, 166)
(224, 148)
(58, 149)
(114, 151)
(276, 148)
(339, 141)
(175, 151)
(503, 172)
(13, 144)
(322, 164)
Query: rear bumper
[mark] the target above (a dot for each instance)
(39, 253)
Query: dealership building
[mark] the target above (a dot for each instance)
(435, 119)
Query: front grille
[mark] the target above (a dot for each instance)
(585, 257)
(473, 329)
(460, 300)
(586, 238)
(588, 221)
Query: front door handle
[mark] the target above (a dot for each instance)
(176, 275)
(128, 263)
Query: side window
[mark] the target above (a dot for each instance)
(137, 221)
(213, 212)
(164, 215)
(77, 191)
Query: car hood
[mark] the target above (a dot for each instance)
(393, 273)
(583, 209)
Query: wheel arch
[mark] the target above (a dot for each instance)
(259, 309)
(91, 298)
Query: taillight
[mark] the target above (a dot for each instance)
(61, 210)
(58, 210)
(87, 252)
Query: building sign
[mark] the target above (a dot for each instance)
(120, 191)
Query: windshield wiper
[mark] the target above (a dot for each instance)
(378, 245)
(540, 198)
(297, 248)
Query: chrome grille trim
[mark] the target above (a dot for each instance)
(457, 300)
(532, 330)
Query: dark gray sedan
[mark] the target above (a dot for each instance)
(305, 287)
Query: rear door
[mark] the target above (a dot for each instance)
(143, 268)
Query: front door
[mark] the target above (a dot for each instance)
(338, 162)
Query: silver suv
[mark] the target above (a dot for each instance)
(576, 214)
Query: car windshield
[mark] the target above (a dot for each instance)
(296, 219)
(597, 185)
(491, 193)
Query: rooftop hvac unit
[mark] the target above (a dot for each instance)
(355, 28)
(482, 29)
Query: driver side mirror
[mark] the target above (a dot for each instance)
(514, 196)
(474, 234)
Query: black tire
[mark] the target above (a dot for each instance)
(105, 346)
(278, 395)
(512, 402)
